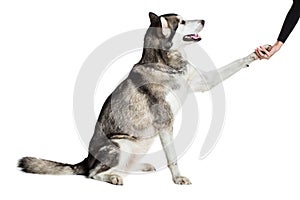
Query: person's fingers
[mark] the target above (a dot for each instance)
(263, 53)
(259, 53)
(267, 54)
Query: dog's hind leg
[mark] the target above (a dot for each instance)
(102, 161)
(104, 173)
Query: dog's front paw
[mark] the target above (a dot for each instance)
(181, 180)
(253, 56)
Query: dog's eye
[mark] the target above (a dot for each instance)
(182, 22)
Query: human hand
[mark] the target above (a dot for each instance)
(264, 53)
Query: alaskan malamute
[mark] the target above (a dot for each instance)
(141, 108)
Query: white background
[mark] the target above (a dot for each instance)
(43, 45)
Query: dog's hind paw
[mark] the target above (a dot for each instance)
(146, 167)
(114, 179)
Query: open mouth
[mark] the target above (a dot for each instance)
(191, 37)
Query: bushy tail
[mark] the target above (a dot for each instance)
(41, 166)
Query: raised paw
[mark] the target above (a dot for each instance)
(181, 180)
(268, 47)
(253, 56)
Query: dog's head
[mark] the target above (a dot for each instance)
(175, 32)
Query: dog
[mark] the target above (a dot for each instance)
(141, 107)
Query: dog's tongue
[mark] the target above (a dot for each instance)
(195, 36)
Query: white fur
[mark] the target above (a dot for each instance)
(165, 27)
(197, 81)
(131, 153)
(190, 27)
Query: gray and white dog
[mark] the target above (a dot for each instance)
(143, 106)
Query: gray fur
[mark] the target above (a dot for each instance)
(41, 166)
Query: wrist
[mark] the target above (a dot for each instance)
(277, 45)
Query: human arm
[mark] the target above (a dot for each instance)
(288, 26)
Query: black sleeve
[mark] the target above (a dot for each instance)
(290, 21)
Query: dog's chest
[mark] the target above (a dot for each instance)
(174, 102)
(177, 95)
(170, 85)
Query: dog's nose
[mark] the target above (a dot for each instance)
(202, 22)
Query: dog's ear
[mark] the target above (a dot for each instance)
(166, 31)
(154, 19)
